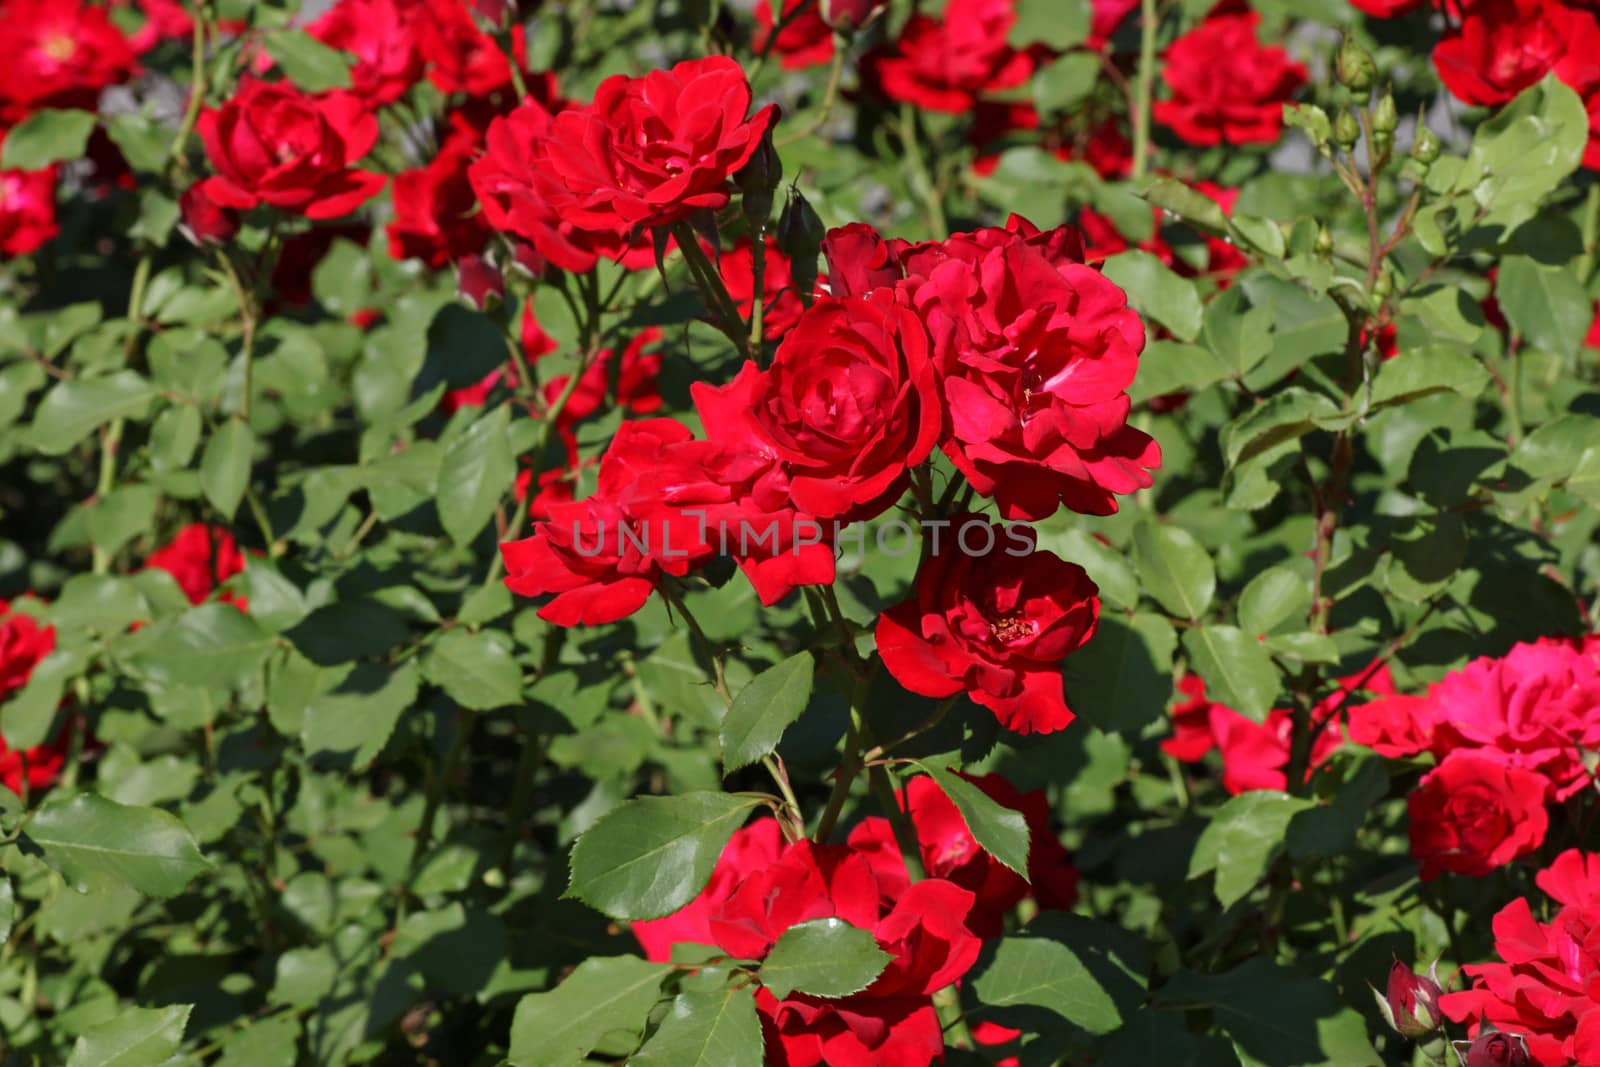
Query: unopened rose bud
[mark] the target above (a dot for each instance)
(1324, 245)
(205, 221)
(1494, 1049)
(1410, 1004)
(526, 258)
(1382, 145)
(1354, 66)
(1425, 148)
(800, 234)
(757, 182)
(850, 15)
(479, 283)
(1346, 130)
(1385, 118)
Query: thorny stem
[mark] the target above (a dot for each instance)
(1142, 91)
(197, 91)
(723, 310)
(845, 777)
(466, 720)
(883, 788)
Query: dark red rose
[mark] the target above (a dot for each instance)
(204, 220)
(271, 143)
(848, 15)
(993, 616)
(436, 216)
(1579, 68)
(780, 301)
(199, 558)
(23, 643)
(382, 35)
(59, 53)
(1225, 87)
(603, 555)
(949, 851)
(849, 404)
(946, 64)
(461, 57)
(479, 282)
(27, 210)
(1495, 1050)
(1501, 47)
(860, 260)
(806, 41)
(1475, 812)
(164, 20)
(1037, 352)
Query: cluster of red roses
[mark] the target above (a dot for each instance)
(1546, 989)
(1509, 736)
(199, 557)
(1493, 49)
(932, 928)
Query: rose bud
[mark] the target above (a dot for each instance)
(526, 258)
(1386, 117)
(479, 283)
(1354, 66)
(800, 234)
(757, 182)
(1425, 149)
(1494, 1049)
(494, 12)
(1346, 131)
(1410, 1005)
(204, 220)
(846, 15)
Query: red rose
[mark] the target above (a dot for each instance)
(806, 40)
(603, 555)
(949, 851)
(1225, 86)
(479, 283)
(759, 890)
(60, 54)
(1501, 47)
(436, 216)
(382, 35)
(1386, 9)
(780, 300)
(1475, 812)
(200, 558)
(992, 616)
(945, 64)
(1579, 68)
(536, 344)
(849, 15)
(636, 389)
(27, 210)
(1037, 353)
(849, 404)
(272, 143)
(461, 57)
(1107, 15)
(23, 643)
(204, 220)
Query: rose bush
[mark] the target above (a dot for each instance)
(799, 532)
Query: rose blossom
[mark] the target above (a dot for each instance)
(200, 558)
(382, 35)
(204, 220)
(1474, 813)
(27, 210)
(1501, 47)
(1225, 86)
(806, 41)
(271, 143)
(59, 54)
(992, 623)
(436, 216)
(849, 404)
(462, 58)
(23, 643)
(945, 64)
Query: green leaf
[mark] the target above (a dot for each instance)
(214, 645)
(30, 711)
(1175, 568)
(1155, 290)
(1058, 86)
(1418, 372)
(225, 465)
(476, 670)
(1237, 669)
(477, 471)
(1190, 205)
(8, 908)
(1242, 839)
(764, 709)
(359, 714)
(272, 1042)
(1001, 831)
(603, 996)
(1056, 24)
(1090, 974)
(122, 515)
(49, 135)
(1277, 1016)
(1273, 596)
(1286, 416)
(1525, 151)
(1546, 305)
(718, 1028)
(1263, 235)
(143, 142)
(89, 838)
(309, 63)
(1122, 681)
(1238, 334)
(133, 1037)
(823, 957)
(72, 410)
(652, 855)
(1565, 450)
(1310, 118)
